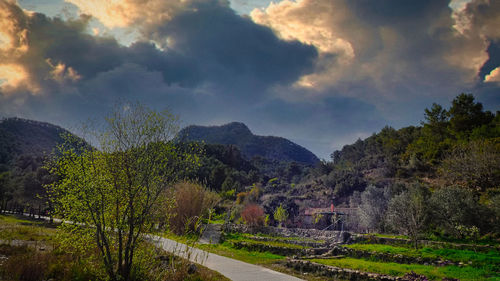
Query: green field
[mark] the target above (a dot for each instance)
(396, 269)
(491, 258)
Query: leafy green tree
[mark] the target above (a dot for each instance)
(109, 194)
(280, 214)
(408, 212)
(452, 207)
(465, 114)
(436, 121)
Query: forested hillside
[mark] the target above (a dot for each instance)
(24, 145)
(450, 165)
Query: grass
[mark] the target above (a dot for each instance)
(485, 240)
(396, 269)
(226, 249)
(253, 257)
(19, 228)
(26, 263)
(489, 259)
(237, 237)
(280, 238)
(387, 235)
(265, 259)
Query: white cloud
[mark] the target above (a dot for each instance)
(493, 76)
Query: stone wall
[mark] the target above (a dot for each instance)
(328, 236)
(337, 272)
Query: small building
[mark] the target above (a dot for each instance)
(322, 218)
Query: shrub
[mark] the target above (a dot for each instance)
(253, 215)
(192, 202)
(280, 214)
(240, 197)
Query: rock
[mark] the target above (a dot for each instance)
(192, 268)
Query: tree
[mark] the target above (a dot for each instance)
(474, 165)
(407, 212)
(280, 214)
(109, 194)
(465, 114)
(436, 121)
(373, 206)
(452, 207)
(253, 215)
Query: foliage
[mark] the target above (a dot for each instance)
(116, 188)
(373, 207)
(192, 203)
(465, 115)
(495, 207)
(474, 165)
(453, 206)
(408, 212)
(418, 151)
(253, 215)
(280, 214)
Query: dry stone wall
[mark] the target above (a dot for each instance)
(327, 235)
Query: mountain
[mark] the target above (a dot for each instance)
(238, 134)
(24, 147)
(21, 136)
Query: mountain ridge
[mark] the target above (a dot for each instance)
(251, 145)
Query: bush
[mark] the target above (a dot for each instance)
(253, 215)
(192, 203)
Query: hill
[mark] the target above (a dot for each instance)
(24, 146)
(22, 136)
(238, 134)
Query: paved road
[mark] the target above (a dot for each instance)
(232, 269)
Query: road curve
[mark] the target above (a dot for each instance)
(231, 268)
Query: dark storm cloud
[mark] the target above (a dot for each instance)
(361, 64)
(395, 12)
(215, 49)
(232, 50)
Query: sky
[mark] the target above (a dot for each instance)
(321, 73)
